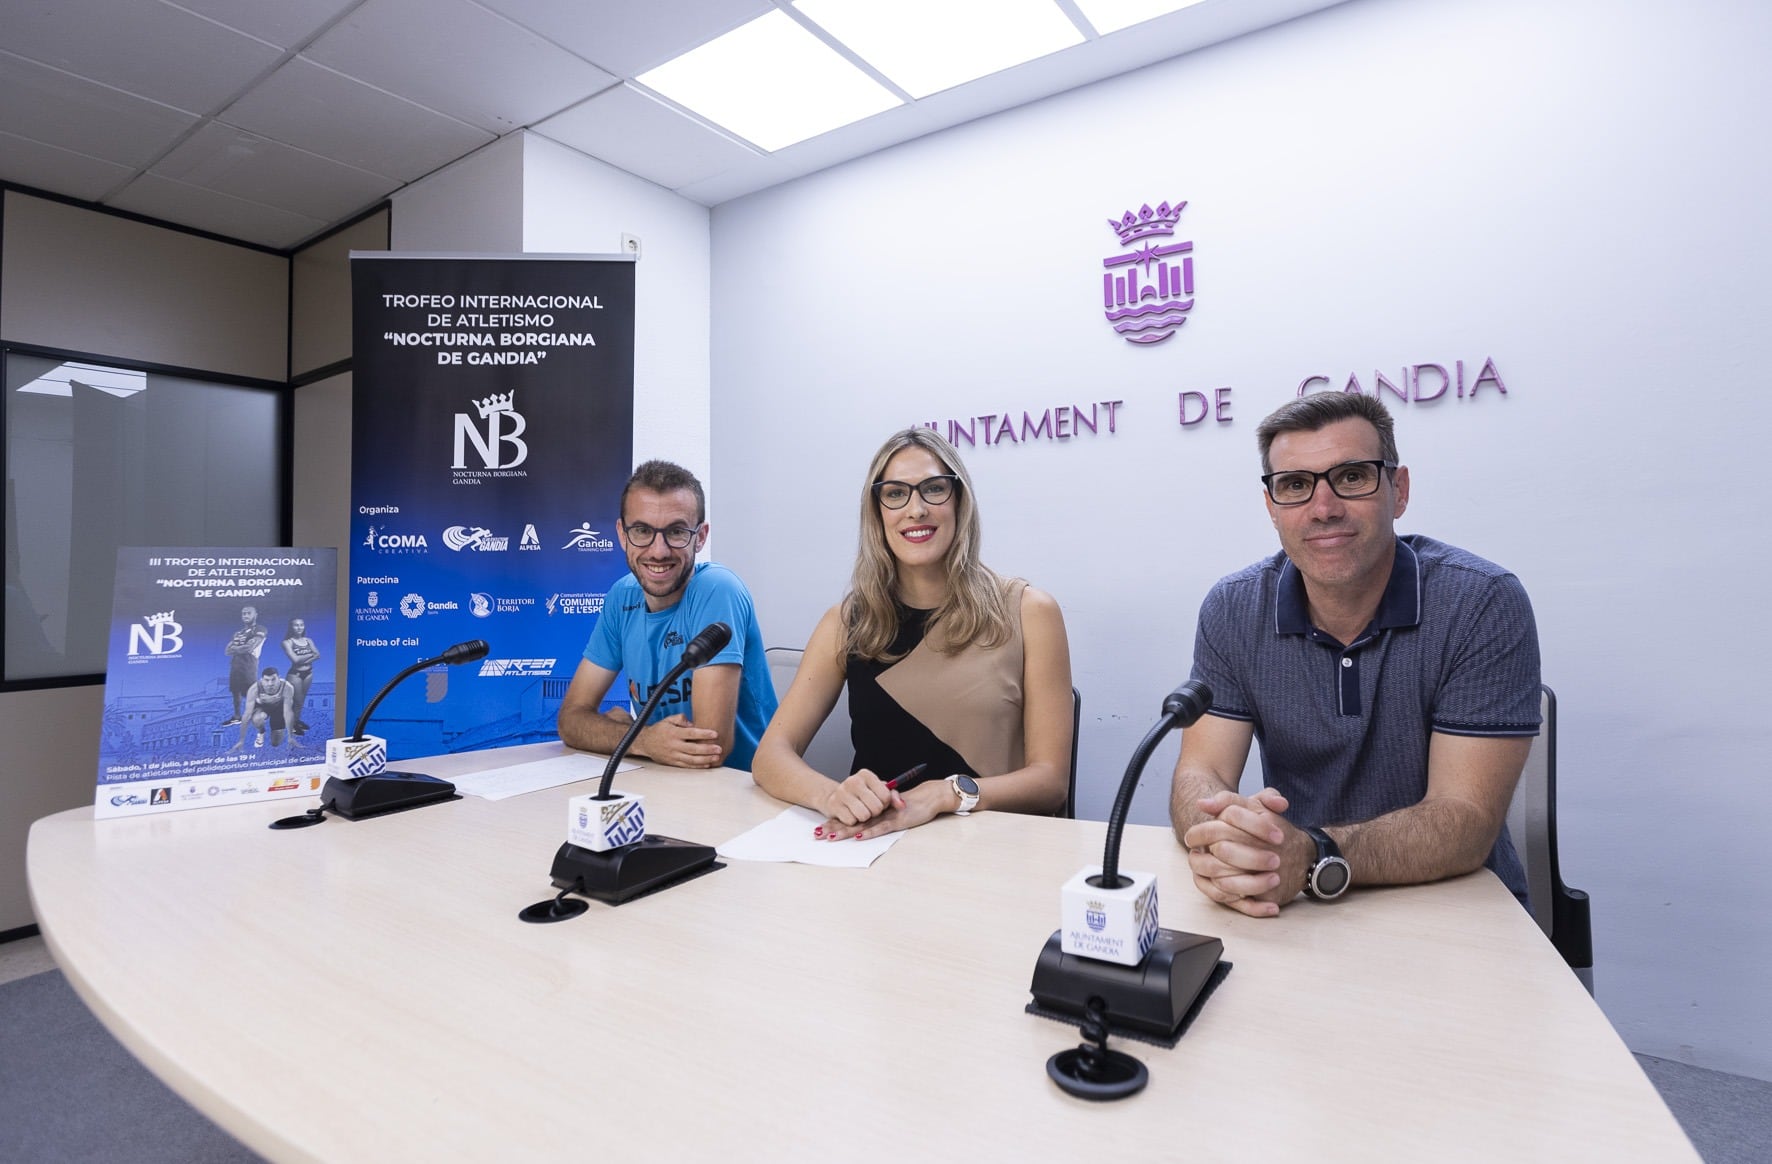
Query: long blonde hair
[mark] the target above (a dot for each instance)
(974, 612)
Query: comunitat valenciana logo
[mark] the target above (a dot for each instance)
(1148, 289)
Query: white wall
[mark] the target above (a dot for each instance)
(1575, 190)
(573, 204)
(527, 194)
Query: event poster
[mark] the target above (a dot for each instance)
(218, 677)
(492, 431)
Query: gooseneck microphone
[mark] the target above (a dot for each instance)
(1109, 963)
(468, 652)
(704, 646)
(1182, 708)
(608, 853)
(358, 782)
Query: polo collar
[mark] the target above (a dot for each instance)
(1399, 606)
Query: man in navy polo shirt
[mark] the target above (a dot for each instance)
(1392, 682)
(716, 713)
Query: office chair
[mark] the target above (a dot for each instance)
(831, 750)
(1561, 912)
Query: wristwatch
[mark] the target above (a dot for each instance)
(966, 788)
(1328, 877)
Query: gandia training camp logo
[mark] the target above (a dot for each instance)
(1147, 291)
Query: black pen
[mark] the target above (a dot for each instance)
(907, 780)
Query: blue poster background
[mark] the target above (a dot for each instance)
(165, 740)
(492, 431)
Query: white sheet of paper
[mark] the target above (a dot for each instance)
(788, 837)
(500, 783)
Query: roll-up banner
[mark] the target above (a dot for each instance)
(491, 433)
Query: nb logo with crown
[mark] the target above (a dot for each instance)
(157, 634)
(501, 445)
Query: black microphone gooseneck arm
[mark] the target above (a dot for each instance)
(704, 646)
(1181, 708)
(460, 653)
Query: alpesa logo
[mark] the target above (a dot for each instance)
(1152, 311)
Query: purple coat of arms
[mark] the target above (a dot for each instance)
(1151, 310)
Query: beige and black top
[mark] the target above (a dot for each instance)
(958, 712)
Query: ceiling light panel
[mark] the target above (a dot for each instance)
(925, 46)
(770, 82)
(1113, 15)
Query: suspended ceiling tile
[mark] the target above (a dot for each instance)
(628, 39)
(315, 109)
(231, 161)
(212, 211)
(31, 163)
(152, 50)
(458, 58)
(631, 129)
(288, 24)
(57, 108)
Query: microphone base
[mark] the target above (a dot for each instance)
(1152, 997)
(360, 797)
(618, 875)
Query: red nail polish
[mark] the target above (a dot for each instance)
(857, 837)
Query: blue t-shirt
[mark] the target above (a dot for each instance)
(647, 645)
(1344, 729)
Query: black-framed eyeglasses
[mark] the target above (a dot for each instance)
(1349, 480)
(897, 494)
(640, 535)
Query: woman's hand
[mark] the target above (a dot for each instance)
(854, 802)
(919, 806)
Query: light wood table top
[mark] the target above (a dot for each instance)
(364, 991)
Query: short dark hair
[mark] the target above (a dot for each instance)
(1318, 411)
(665, 477)
(267, 671)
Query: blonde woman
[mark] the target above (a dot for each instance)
(947, 666)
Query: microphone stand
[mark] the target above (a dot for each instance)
(379, 792)
(1153, 996)
(651, 863)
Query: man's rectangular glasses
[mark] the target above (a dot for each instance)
(640, 535)
(1350, 480)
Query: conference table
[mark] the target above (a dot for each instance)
(365, 991)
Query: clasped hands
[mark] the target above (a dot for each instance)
(863, 806)
(673, 740)
(1245, 855)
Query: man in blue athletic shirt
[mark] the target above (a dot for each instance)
(1391, 681)
(716, 713)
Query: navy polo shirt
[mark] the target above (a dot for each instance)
(1344, 729)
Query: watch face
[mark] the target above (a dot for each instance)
(966, 784)
(1331, 878)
